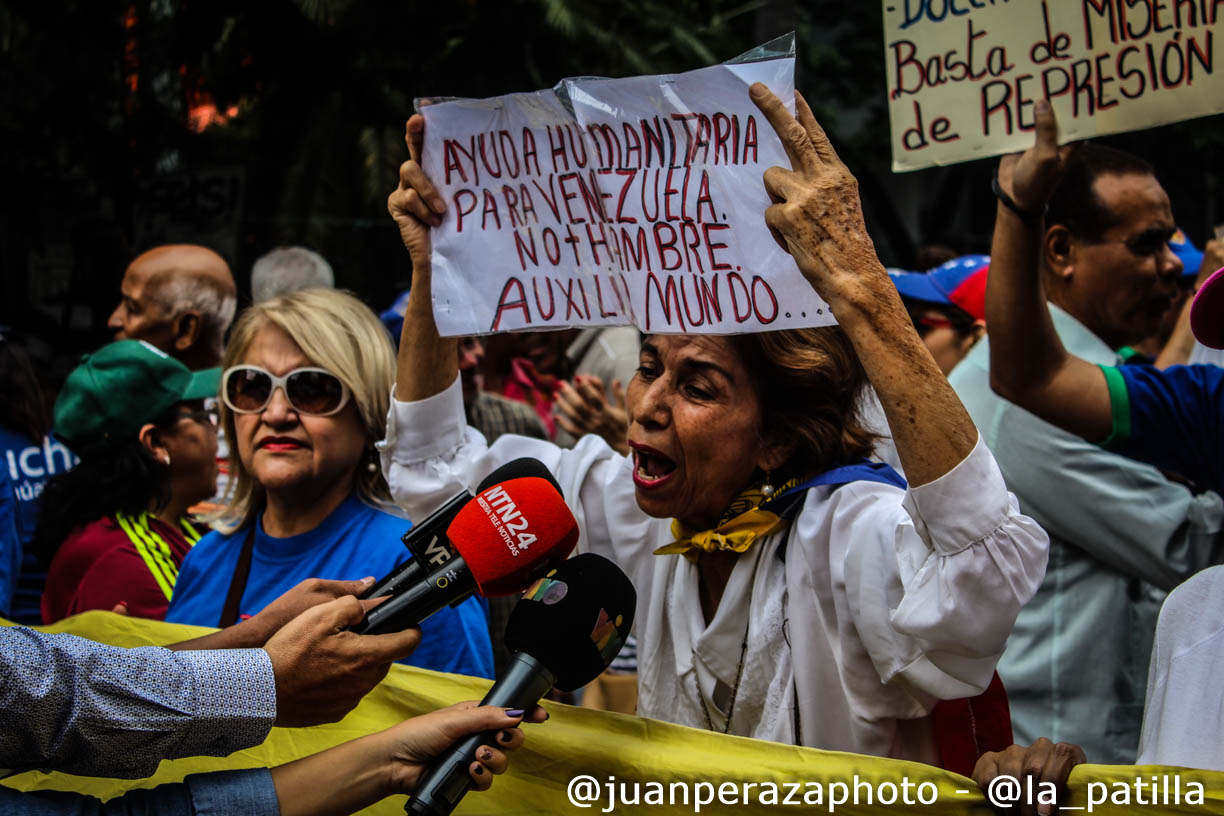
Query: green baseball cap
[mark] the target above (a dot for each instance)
(121, 387)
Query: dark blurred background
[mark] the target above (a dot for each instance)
(247, 125)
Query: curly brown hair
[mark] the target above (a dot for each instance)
(810, 383)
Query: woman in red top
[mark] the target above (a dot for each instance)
(115, 528)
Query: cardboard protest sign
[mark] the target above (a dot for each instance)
(964, 75)
(614, 202)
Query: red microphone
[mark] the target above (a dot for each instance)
(505, 538)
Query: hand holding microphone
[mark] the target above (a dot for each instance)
(427, 540)
(502, 539)
(358, 773)
(565, 632)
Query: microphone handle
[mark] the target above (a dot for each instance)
(444, 586)
(423, 539)
(406, 574)
(429, 546)
(446, 780)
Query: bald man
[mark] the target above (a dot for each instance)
(179, 298)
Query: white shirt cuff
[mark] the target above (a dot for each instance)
(963, 506)
(427, 428)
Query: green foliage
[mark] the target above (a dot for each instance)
(321, 89)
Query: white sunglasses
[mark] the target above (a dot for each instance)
(247, 389)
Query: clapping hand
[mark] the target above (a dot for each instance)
(583, 409)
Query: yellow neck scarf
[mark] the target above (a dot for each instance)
(738, 529)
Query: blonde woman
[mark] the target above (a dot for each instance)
(305, 392)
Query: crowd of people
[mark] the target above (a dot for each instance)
(995, 483)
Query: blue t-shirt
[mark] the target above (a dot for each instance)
(29, 465)
(1171, 419)
(356, 540)
(10, 544)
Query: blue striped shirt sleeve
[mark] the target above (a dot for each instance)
(248, 792)
(70, 704)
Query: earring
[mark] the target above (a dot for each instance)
(372, 467)
(166, 460)
(767, 489)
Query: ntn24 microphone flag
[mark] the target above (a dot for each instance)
(507, 530)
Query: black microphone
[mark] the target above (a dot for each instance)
(564, 632)
(504, 538)
(427, 540)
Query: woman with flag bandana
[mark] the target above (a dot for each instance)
(787, 589)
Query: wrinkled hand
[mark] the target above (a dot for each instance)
(1044, 761)
(321, 671)
(582, 409)
(416, 205)
(816, 215)
(1031, 176)
(413, 743)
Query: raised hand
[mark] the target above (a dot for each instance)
(816, 215)
(426, 363)
(1031, 176)
(416, 205)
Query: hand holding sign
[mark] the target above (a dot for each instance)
(816, 214)
(609, 202)
(415, 204)
(416, 207)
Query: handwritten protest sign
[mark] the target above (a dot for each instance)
(964, 75)
(640, 202)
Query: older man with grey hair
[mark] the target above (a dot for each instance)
(179, 298)
(288, 269)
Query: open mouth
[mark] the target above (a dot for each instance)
(651, 468)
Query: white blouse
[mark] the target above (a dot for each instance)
(876, 603)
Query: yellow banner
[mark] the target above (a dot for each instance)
(593, 761)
